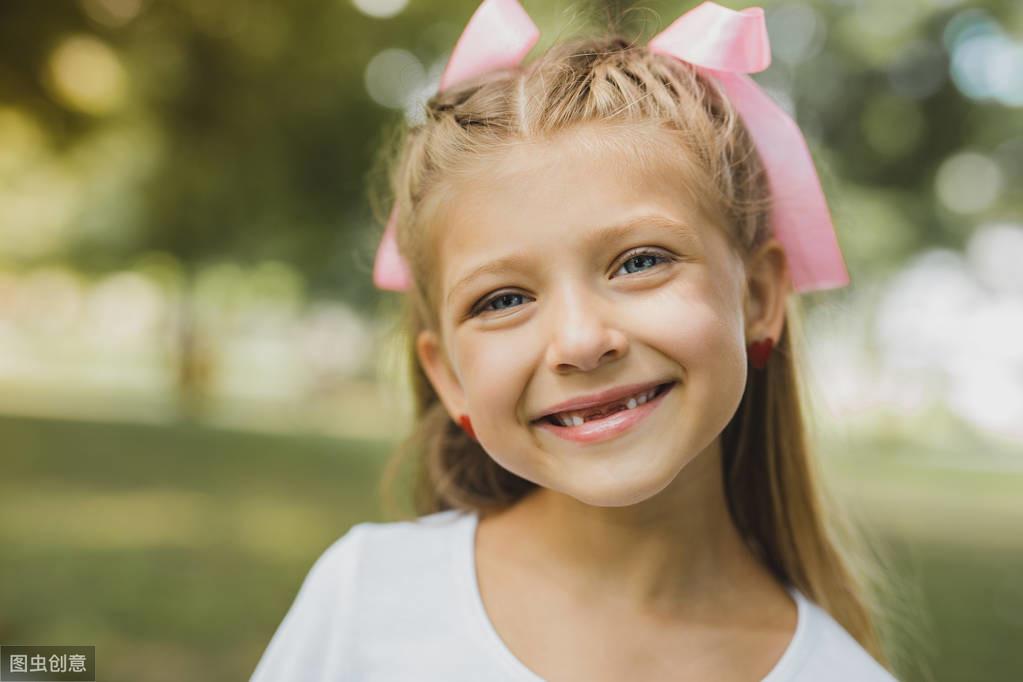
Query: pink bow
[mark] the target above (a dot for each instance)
(498, 36)
(723, 44)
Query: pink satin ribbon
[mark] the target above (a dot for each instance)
(723, 44)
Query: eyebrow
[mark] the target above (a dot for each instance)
(607, 233)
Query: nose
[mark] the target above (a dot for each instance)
(586, 332)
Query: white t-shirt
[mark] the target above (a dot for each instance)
(399, 601)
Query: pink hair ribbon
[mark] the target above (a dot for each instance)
(498, 36)
(727, 45)
(723, 44)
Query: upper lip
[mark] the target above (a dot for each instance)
(601, 398)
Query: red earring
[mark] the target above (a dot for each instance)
(760, 351)
(466, 425)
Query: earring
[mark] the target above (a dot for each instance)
(466, 425)
(760, 351)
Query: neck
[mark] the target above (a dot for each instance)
(675, 552)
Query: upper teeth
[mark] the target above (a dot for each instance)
(576, 418)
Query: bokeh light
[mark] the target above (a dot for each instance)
(797, 32)
(995, 252)
(968, 182)
(112, 13)
(380, 9)
(986, 63)
(392, 76)
(86, 75)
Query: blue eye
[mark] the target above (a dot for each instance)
(642, 256)
(498, 299)
(651, 257)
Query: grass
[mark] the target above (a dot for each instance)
(177, 550)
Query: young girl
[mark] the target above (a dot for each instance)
(598, 251)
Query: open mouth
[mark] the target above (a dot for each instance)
(579, 417)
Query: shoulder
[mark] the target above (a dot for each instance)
(833, 654)
(359, 581)
(421, 541)
(370, 547)
(314, 619)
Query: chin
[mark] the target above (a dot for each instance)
(614, 499)
(616, 489)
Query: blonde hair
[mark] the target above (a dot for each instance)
(773, 488)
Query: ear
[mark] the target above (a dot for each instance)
(767, 289)
(445, 382)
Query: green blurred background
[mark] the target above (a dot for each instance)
(199, 385)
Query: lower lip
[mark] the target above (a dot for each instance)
(609, 427)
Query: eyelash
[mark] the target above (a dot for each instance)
(659, 255)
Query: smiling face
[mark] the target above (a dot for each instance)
(603, 273)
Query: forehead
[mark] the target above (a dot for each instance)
(534, 195)
(633, 159)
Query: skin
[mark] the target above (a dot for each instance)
(627, 541)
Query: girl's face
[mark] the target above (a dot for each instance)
(574, 273)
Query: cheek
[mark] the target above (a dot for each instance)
(694, 328)
(495, 374)
(704, 336)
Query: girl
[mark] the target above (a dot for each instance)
(598, 250)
